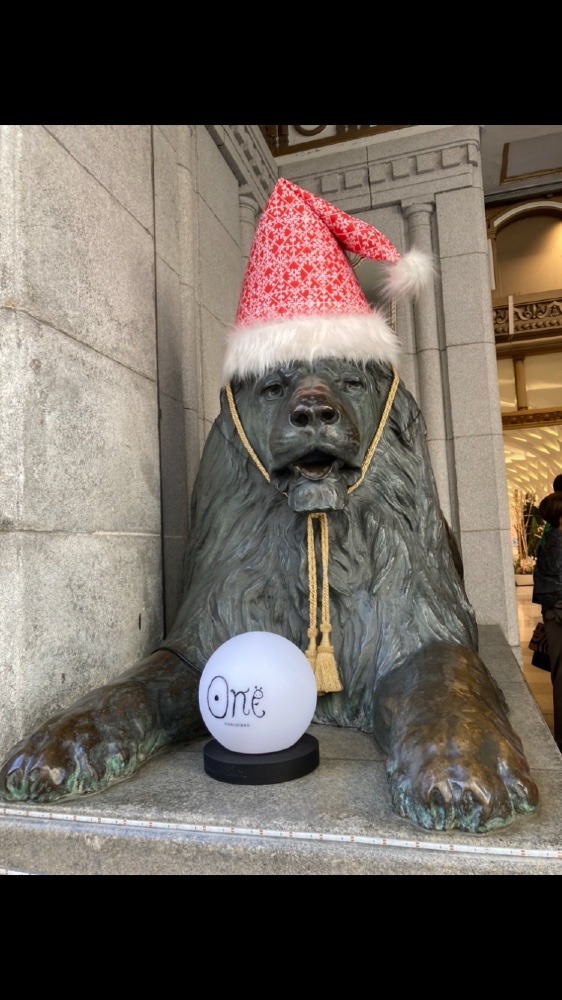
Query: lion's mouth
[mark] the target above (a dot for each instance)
(315, 466)
(316, 480)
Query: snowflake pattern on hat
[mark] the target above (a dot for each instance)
(300, 298)
(297, 265)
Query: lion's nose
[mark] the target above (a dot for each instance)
(314, 411)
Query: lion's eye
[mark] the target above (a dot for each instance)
(272, 391)
(354, 384)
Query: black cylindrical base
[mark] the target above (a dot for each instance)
(261, 768)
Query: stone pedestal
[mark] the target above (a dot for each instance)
(174, 819)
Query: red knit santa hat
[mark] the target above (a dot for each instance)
(300, 298)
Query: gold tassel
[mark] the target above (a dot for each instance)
(326, 668)
(321, 658)
(311, 651)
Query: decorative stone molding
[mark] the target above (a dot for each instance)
(538, 418)
(528, 318)
(246, 152)
(284, 139)
(424, 165)
(341, 186)
(498, 218)
(407, 170)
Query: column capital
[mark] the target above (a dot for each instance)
(247, 199)
(412, 208)
(248, 209)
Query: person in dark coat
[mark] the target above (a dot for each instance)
(547, 591)
(556, 488)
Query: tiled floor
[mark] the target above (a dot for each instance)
(538, 680)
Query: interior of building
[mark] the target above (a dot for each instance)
(526, 240)
(526, 262)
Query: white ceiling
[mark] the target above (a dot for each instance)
(533, 457)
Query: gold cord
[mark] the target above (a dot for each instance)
(393, 314)
(312, 591)
(378, 433)
(320, 655)
(242, 432)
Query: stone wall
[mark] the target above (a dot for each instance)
(120, 268)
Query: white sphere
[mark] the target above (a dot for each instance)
(257, 693)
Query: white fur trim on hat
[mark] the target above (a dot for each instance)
(358, 338)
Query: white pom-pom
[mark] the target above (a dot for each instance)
(408, 276)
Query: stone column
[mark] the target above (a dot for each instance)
(520, 383)
(418, 217)
(248, 216)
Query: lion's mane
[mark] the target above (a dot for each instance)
(394, 585)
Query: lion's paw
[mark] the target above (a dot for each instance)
(477, 791)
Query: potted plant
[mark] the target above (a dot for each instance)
(528, 527)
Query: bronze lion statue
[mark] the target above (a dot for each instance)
(402, 628)
(316, 470)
